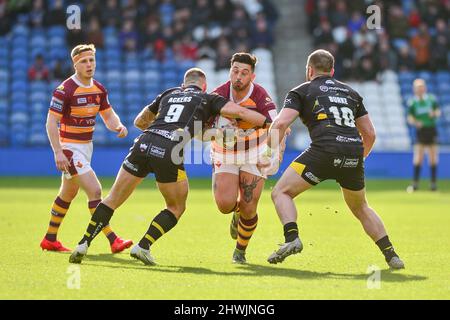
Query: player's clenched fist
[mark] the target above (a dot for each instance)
(122, 131)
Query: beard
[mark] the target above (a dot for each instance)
(239, 86)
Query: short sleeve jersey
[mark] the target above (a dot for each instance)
(257, 100)
(77, 106)
(180, 109)
(420, 109)
(329, 109)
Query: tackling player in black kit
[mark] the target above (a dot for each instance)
(159, 150)
(342, 136)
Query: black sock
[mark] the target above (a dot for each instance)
(100, 218)
(290, 231)
(433, 174)
(161, 224)
(416, 174)
(386, 248)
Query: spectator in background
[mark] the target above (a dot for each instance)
(186, 49)
(179, 30)
(128, 37)
(387, 59)
(38, 71)
(340, 17)
(239, 36)
(56, 15)
(261, 36)
(356, 22)
(398, 26)
(431, 14)
(75, 36)
(92, 10)
(239, 21)
(110, 14)
(405, 61)
(365, 57)
(414, 18)
(323, 33)
(223, 54)
(130, 10)
(152, 32)
(420, 43)
(147, 8)
(5, 20)
(222, 12)
(440, 46)
(95, 34)
(270, 12)
(37, 14)
(202, 12)
(60, 72)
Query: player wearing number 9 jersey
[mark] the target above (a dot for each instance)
(342, 135)
(171, 116)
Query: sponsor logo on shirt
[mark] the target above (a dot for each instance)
(130, 166)
(157, 151)
(324, 88)
(60, 89)
(347, 139)
(312, 177)
(143, 147)
(56, 104)
(337, 162)
(350, 163)
(81, 100)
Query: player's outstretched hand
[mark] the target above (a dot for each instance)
(61, 161)
(122, 131)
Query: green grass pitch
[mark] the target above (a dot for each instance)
(194, 259)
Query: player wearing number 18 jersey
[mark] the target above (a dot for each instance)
(342, 136)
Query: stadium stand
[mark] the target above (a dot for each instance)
(413, 41)
(134, 62)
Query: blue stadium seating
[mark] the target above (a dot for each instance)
(4, 89)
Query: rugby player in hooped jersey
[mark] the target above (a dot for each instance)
(172, 116)
(237, 182)
(342, 136)
(74, 107)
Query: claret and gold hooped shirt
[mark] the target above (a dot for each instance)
(78, 105)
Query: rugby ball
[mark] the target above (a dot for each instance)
(226, 131)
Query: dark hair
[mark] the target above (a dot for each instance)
(246, 58)
(321, 60)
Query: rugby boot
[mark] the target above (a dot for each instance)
(53, 246)
(79, 253)
(119, 245)
(142, 254)
(396, 263)
(239, 256)
(285, 250)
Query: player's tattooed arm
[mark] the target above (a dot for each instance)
(248, 187)
(144, 119)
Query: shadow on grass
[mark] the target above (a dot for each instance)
(126, 262)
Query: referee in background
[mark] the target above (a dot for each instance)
(423, 112)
